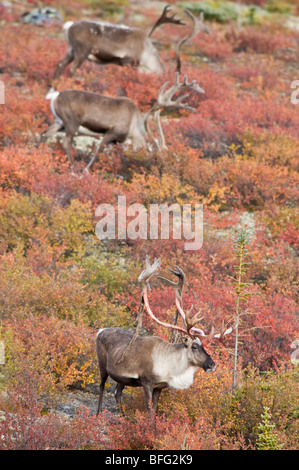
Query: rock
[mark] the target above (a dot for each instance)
(70, 402)
(41, 16)
(293, 23)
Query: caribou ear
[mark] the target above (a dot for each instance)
(187, 342)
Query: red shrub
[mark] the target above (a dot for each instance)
(251, 39)
(46, 355)
(32, 429)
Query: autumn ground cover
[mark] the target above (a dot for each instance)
(237, 154)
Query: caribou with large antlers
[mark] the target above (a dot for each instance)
(151, 362)
(117, 119)
(108, 43)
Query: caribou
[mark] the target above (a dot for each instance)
(108, 43)
(117, 119)
(86, 113)
(150, 361)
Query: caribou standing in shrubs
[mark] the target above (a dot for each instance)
(118, 119)
(108, 43)
(149, 361)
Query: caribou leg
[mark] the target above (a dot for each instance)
(80, 56)
(118, 392)
(67, 146)
(109, 137)
(156, 396)
(66, 61)
(52, 130)
(101, 392)
(148, 396)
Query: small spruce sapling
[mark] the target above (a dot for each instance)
(266, 438)
(240, 290)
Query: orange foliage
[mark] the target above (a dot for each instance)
(236, 153)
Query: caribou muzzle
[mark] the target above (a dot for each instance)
(209, 365)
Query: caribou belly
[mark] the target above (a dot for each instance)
(85, 131)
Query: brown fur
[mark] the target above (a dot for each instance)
(144, 363)
(109, 44)
(118, 119)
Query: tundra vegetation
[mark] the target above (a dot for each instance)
(237, 154)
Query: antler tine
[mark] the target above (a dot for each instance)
(149, 271)
(193, 331)
(167, 281)
(165, 100)
(155, 109)
(179, 273)
(223, 332)
(193, 85)
(208, 337)
(165, 97)
(166, 19)
(198, 25)
(177, 285)
(197, 332)
(191, 321)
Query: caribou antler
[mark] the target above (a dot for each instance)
(178, 288)
(198, 27)
(189, 321)
(165, 97)
(144, 278)
(165, 101)
(166, 19)
(149, 271)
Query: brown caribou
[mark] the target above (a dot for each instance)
(108, 43)
(151, 362)
(117, 119)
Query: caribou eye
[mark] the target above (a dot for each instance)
(194, 346)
